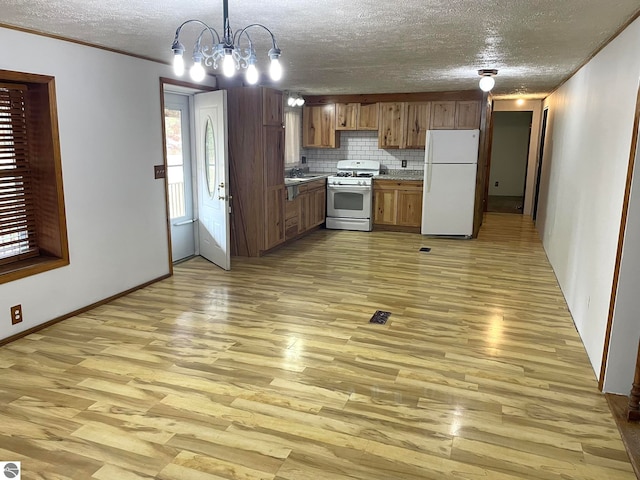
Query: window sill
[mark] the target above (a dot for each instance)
(30, 266)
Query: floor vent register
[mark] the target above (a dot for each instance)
(380, 317)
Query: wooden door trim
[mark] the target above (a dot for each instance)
(623, 226)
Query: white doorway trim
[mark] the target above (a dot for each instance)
(170, 85)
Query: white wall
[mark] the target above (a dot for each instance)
(584, 172)
(362, 145)
(110, 137)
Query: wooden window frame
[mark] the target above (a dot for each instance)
(46, 175)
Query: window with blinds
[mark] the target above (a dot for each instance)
(17, 209)
(33, 230)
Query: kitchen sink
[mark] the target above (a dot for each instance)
(307, 177)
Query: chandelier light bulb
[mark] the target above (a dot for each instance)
(178, 65)
(197, 72)
(227, 51)
(299, 102)
(487, 83)
(291, 101)
(252, 74)
(275, 70)
(228, 65)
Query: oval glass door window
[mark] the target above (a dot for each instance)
(210, 157)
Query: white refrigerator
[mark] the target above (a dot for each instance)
(450, 167)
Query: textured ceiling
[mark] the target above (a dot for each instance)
(362, 46)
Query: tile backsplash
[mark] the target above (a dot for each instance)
(361, 145)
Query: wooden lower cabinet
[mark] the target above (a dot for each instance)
(318, 205)
(307, 210)
(274, 223)
(397, 205)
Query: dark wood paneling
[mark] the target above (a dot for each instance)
(394, 97)
(245, 169)
(484, 155)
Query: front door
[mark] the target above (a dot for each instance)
(179, 184)
(212, 177)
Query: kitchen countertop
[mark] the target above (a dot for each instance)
(306, 178)
(401, 175)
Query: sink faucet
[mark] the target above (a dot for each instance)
(295, 172)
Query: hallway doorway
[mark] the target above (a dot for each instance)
(509, 155)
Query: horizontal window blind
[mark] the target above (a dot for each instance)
(17, 201)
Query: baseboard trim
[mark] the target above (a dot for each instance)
(42, 326)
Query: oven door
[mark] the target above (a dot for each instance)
(349, 201)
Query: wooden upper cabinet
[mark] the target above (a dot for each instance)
(356, 116)
(319, 127)
(391, 125)
(347, 116)
(368, 116)
(403, 124)
(468, 115)
(461, 115)
(443, 115)
(272, 108)
(418, 121)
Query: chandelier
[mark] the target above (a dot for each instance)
(232, 52)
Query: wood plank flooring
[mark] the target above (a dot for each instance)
(272, 371)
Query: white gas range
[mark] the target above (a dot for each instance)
(350, 195)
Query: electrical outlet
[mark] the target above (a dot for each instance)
(496, 184)
(16, 314)
(158, 171)
(404, 164)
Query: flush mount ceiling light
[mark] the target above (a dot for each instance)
(232, 52)
(295, 100)
(487, 81)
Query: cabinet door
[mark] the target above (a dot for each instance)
(274, 189)
(272, 107)
(319, 127)
(368, 116)
(273, 151)
(418, 120)
(384, 204)
(318, 206)
(443, 115)
(347, 116)
(468, 115)
(291, 217)
(409, 208)
(391, 125)
(274, 216)
(303, 213)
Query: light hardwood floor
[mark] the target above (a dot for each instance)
(273, 371)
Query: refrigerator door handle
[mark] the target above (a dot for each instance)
(429, 160)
